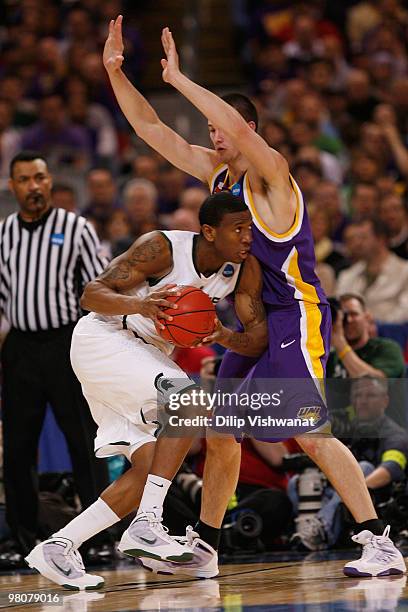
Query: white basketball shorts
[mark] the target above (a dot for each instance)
(121, 378)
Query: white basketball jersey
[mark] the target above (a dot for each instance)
(217, 286)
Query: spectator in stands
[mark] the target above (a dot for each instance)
(102, 199)
(311, 110)
(354, 354)
(57, 138)
(393, 214)
(326, 196)
(183, 219)
(146, 167)
(119, 232)
(330, 166)
(386, 185)
(386, 120)
(380, 446)
(325, 249)
(360, 99)
(307, 176)
(64, 196)
(364, 200)
(172, 182)
(140, 203)
(305, 44)
(13, 89)
(192, 198)
(275, 133)
(353, 249)
(399, 100)
(284, 104)
(379, 275)
(10, 140)
(363, 168)
(98, 122)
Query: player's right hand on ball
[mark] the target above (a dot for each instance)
(113, 51)
(153, 305)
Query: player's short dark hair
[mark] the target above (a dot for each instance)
(25, 156)
(216, 206)
(244, 106)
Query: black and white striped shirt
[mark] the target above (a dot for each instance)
(43, 268)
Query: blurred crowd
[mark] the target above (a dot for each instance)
(330, 80)
(331, 85)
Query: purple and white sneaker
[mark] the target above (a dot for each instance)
(146, 536)
(380, 556)
(204, 563)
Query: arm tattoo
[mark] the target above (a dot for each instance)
(257, 309)
(138, 254)
(120, 271)
(238, 340)
(146, 252)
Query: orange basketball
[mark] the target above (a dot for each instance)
(192, 321)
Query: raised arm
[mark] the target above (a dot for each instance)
(270, 164)
(250, 311)
(149, 257)
(198, 161)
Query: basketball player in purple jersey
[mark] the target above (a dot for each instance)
(297, 310)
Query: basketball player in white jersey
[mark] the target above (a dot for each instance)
(123, 365)
(247, 164)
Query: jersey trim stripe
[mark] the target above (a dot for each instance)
(211, 181)
(312, 344)
(297, 224)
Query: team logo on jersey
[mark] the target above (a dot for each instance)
(57, 239)
(228, 271)
(163, 384)
(236, 189)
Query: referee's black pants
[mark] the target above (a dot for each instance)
(36, 371)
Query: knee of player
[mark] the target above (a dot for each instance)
(313, 445)
(222, 444)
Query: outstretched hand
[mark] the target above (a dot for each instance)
(170, 65)
(113, 50)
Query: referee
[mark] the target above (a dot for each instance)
(46, 256)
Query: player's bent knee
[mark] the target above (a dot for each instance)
(314, 445)
(225, 445)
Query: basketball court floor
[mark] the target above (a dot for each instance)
(277, 582)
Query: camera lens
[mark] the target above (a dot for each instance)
(248, 524)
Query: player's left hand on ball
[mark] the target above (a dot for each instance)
(171, 64)
(218, 336)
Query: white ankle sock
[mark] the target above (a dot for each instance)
(154, 494)
(91, 521)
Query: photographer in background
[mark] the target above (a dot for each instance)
(381, 448)
(355, 354)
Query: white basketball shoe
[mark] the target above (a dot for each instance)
(147, 537)
(58, 560)
(380, 556)
(204, 562)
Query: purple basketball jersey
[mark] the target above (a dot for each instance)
(288, 260)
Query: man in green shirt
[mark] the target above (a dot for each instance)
(354, 354)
